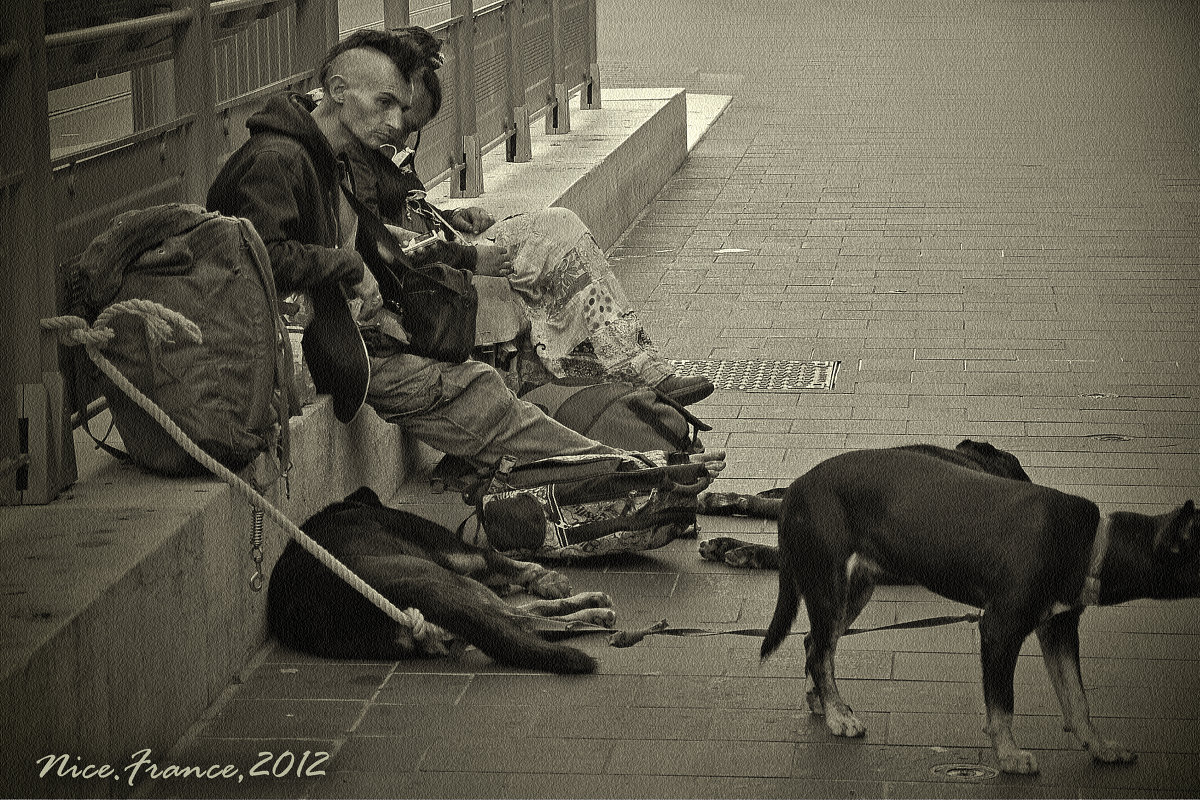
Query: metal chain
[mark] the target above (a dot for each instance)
(256, 551)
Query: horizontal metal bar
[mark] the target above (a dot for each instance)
(11, 50)
(221, 7)
(374, 25)
(112, 145)
(90, 104)
(93, 410)
(263, 91)
(499, 140)
(446, 24)
(169, 19)
(441, 176)
(489, 8)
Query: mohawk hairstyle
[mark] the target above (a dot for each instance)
(392, 45)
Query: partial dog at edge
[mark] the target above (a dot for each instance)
(765, 505)
(417, 563)
(1031, 557)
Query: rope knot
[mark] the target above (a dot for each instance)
(161, 323)
(425, 632)
(75, 331)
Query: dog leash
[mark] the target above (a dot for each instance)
(663, 628)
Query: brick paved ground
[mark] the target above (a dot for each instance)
(987, 211)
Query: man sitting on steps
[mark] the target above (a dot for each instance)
(288, 182)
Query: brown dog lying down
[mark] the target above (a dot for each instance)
(417, 563)
(1030, 556)
(765, 505)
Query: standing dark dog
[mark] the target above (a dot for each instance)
(1028, 555)
(765, 505)
(416, 563)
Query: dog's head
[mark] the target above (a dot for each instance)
(994, 460)
(361, 497)
(365, 496)
(1177, 549)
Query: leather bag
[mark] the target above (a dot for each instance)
(436, 303)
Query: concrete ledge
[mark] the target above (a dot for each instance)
(126, 601)
(614, 160)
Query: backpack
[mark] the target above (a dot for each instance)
(231, 392)
(620, 415)
(588, 505)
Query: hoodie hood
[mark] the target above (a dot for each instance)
(291, 115)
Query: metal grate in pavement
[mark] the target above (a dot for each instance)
(762, 376)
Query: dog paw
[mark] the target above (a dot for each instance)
(815, 705)
(715, 549)
(1020, 762)
(604, 617)
(592, 600)
(1112, 753)
(746, 556)
(721, 504)
(844, 723)
(551, 585)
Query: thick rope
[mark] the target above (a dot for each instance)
(160, 322)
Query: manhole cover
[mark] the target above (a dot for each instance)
(763, 376)
(965, 772)
(1108, 437)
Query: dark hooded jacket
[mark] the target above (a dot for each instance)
(285, 180)
(386, 189)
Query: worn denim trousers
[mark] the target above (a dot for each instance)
(466, 410)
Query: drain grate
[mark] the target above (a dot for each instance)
(966, 772)
(763, 376)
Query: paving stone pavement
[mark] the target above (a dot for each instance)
(987, 211)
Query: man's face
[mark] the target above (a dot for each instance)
(375, 99)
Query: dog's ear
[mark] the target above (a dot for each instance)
(366, 496)
(1179, 535)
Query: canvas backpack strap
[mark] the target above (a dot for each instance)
(285, 401)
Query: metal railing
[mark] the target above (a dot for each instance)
(198, 69)
(508, 62)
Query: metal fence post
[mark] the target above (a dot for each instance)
(469, 182)
(316, 30)
(589, 98)
(153, 95)
(37, 455)
(519, 148)
(196, 95)
(395, 14)
(558, 115)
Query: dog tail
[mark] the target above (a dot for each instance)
(492, 631)
(787, 606)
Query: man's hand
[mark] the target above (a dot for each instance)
(493, 261)
(367, 290)
(471, 220)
